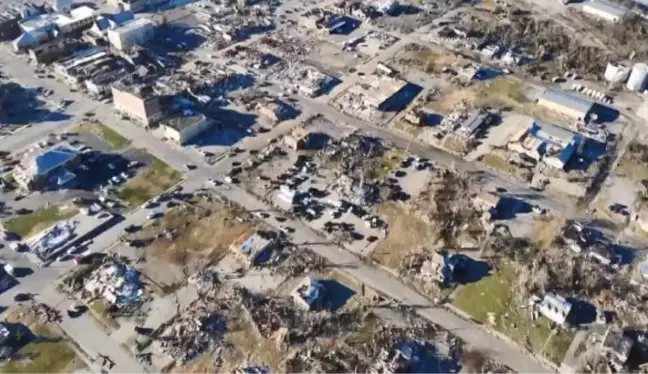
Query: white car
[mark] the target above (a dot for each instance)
(152, 215)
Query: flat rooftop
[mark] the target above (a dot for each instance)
(144, 92)
(378, 88)
(181, 121)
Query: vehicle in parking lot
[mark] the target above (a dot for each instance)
(190, 166)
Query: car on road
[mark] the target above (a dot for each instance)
(189, 166)
(153, 215)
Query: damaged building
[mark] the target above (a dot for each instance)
(116, 283)
(138, 102)
(47, 168)
(252, 248)
(552, 144)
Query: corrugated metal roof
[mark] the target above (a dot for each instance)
(605, 7)
(568, 100)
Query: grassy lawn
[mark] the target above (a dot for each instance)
(30, 224)
(111, 137)
(389, 162)
(499, 163)
(407, 232)
(157, 178)
(456, 145)
(557, 346)
(52, 354)
(502, 92)
(494, 296)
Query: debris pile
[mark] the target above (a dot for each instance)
(200, 328)
(117, 283)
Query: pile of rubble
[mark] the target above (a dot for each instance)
(420, 348)
(200, 328)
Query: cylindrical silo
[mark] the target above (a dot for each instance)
(638, 76)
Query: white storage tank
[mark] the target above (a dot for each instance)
(616, 73)
(638, 76)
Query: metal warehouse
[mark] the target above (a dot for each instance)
(566, 103)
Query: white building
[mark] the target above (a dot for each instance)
(44, 27)
(555, 307)
(133, 33)
(604, 10)
(186, 126)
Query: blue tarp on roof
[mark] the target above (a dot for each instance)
(420, 357)
(54, 158)
(315, 295)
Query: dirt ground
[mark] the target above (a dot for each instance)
(407, 232)
(426, 59)
(501, 92)
(200, 234)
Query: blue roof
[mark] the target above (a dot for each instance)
(567, 153)
(54, 158)
(421, 357)
(315, 294)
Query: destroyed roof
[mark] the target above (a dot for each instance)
(250, 245)
(568, 100)
(474, 121)
(377, 89)
(183, 119)
(615, 342)
(313, 294)
(143, 91)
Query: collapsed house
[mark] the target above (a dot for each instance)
(616, 347)
(310, 294)
(116, 283)
(49, 243)
(252, 247)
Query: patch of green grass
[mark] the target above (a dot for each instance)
(157, 178)
(493, 295)
(389, 161)
(113, 138)
(557, 346)
(502, 92)
(54, 356)
(30, 224)
(499, 163)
